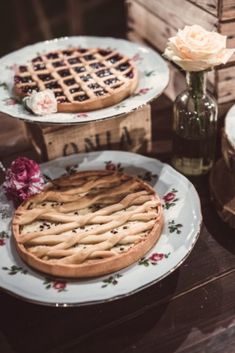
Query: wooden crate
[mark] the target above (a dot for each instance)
(130, 132)
(153, 22)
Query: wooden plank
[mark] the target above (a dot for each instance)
(148, 26)
(227, 10)
(144, 24)
(226, 85)
(157, 21)
(186, 320)
(129, 132)
(228, 29)
(147, 314)
(211, 6)
(221, 175)
(179, 14)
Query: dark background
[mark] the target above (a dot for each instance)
(28, 21)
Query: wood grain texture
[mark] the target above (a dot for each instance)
(152, 22)
(227, 10)
(129, 132)
(190, 311)
(211, 6)
(178, 13)
(224, 198)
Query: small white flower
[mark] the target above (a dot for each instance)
(42, 103)
(195, 49)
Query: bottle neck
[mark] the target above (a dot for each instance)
(196, 82)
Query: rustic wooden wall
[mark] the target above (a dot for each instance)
(154, 21)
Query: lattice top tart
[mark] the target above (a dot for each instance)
(88, 224)
(81, 79)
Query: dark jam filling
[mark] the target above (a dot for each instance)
(111, 81)
(25, 79)
(23, 68)
(58, 93)
(52, 56)
(45, 77)
(96, 65)
(75, 89)
(64, 73)
(62, 100)
(73, 61)
(82, 50)
(82, 98)
(104, 52)
(130, 74)
(123, 67)
(114, 59)
(86, 78)
(38, 67)
(52, 85)
(67, 52)
(58, 63)
(38, 58)
(29, 89)
(103, 73)
(89, 57)
(100, 93)
(79, 69)
(70, 82)
(94, 85)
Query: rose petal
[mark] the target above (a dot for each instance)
(195, 49)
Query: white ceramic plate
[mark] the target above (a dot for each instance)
(182, 226)
(230, 125)
(153, 78)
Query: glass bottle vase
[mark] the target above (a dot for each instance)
(194, 127)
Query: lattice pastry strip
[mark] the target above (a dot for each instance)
(121, 221)
(82, 79)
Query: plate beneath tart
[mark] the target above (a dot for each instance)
(182, 222)
(153, 77)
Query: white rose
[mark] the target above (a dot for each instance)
(42, 103)
(195, 49)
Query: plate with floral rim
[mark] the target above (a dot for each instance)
(152, 70)
(182, 223)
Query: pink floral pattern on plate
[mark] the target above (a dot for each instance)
(58, 285)
(137, 57)
(10, 101)
(142, 91)
(81, 115)
(112, 166)
(153, 259)
(170, 199)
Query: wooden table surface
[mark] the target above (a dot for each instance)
(192, 310)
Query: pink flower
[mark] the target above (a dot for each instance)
(169, 197)
(196, 49)
(22, 179)
(143, 90)
(2, 242)
(10, 101)
(59, 285)
(82, 115)
(136, 57)
(156, 257)
(42, 103)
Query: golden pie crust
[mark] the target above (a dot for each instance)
(88, 224)
(81, 79)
